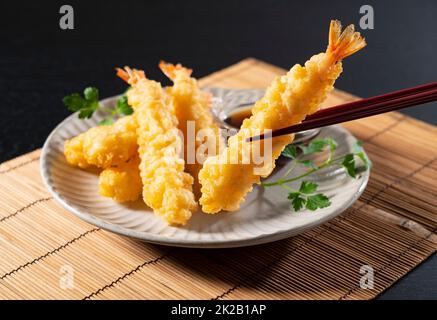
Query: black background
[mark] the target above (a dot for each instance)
(40, 63)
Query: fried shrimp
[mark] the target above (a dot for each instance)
(103, 146)
(287, 101)
(190, 104)
(123, 182)
(167, 189)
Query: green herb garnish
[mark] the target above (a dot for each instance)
(89, 103)
(306, 196)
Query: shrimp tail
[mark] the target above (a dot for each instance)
(171, 70)
(343, 44)
(129, 75)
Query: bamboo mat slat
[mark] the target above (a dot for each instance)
(391, 228)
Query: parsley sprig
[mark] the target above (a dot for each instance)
(89, 103)
(306, 196)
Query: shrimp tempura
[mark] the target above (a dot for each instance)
(103, 146)
(189, 103)
(167, 189)
(287, 101)
(122, 183)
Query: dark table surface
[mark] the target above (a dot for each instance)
(40, 63)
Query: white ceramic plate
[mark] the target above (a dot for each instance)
(265, 216)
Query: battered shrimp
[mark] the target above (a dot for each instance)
(167, 189)
(122, 183)
(103, 146)
(287, 101)
(189, 103)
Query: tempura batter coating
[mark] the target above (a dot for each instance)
(122, 183)
(167, 189)
(189, 103)
(103, 146)
(288, 100)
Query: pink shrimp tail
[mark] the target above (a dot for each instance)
(129, 75)
(171, 70)
(343, 44)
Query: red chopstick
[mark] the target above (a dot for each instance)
(361, 109)
(368, 101)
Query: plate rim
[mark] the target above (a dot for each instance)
(168, 241)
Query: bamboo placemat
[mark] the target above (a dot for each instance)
(390, 228)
